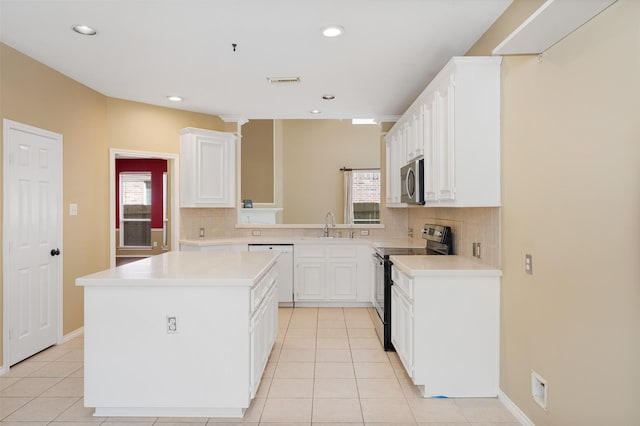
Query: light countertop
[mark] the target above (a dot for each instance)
(187, 268)
(416, 266)
(392, 242)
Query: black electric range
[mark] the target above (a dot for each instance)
(438, 242)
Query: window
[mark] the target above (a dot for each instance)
(135, 209)
(362, 196)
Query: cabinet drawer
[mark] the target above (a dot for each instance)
(309, 251)
(342, 252)
(259, 290)
(403, 282)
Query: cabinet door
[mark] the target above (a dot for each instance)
(342, 280)
(207, 168)
(213, 171)
(257, 348)
(445, 140)
(402, 328)
(393, 169)
(310, 280)
(430, 153)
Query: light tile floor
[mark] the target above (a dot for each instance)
(327, 367)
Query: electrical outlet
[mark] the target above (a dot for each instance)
(364, 232)
(201, 232)
(155, 244)
(172, 324)
(476, 252)
(539, 389)
(528, 264)
(256, 232)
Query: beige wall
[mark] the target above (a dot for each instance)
(571, 198)
(90, 123)
(257, 180)
(313, 153)
(33, 94)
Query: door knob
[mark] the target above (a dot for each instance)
(55, 252)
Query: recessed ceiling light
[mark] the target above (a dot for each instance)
(84, 30)
(315, 111)
(174, 98)
(332, 31)
(328, 97)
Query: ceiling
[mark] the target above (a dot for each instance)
(146, 50)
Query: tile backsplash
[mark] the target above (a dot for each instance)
(221, 223)
(468, 225)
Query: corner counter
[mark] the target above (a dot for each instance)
(179, 334)
(445, 324)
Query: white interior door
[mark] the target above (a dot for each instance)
(33, 238)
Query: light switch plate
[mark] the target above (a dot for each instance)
(528, 264)
(73, 209)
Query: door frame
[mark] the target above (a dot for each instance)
(57, 138)
(172, 165)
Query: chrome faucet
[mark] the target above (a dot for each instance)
(325, 228)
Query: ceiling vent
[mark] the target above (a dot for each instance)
(283, 80)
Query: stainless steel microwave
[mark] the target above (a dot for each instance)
(412, 183)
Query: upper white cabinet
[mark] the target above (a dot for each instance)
(207, 168)
(455, 126)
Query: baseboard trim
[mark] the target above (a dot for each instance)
(75, 333)
(514, 409)
(3, 369)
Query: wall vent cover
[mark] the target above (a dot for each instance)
(283, 80)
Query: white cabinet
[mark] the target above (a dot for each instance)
(310, 278)
(402, 327)
(264, 326)
(394, 161)
(207, 168)
(326, 273)
(444, 125)
(342, 280)
(445, 329)
(455, 125)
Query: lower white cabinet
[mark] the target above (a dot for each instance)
(445, 329)
(402, 327)
(310, 278)
(263, 329)
(330, 273)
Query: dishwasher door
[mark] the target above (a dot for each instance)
(285, 270)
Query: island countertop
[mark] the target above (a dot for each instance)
(187, 268)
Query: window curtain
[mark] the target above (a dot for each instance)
(348, 196)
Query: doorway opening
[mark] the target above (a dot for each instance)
(144, 213)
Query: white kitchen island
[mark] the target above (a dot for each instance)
(183, 334)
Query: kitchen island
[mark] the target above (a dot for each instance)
(179, 334)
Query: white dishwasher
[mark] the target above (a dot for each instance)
(285, 270)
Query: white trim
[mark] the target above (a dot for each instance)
(173, 166)
(75, 333)
(6, 125)
(514, 409)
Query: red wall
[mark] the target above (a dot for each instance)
(157, 168)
